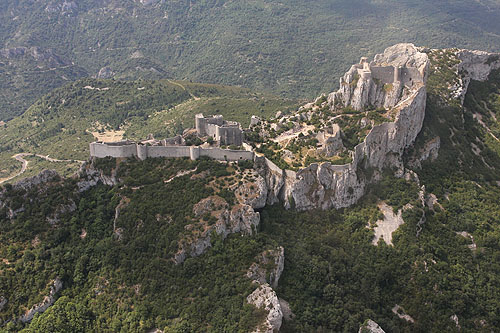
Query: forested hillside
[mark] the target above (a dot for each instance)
(111, 247)
(292, 48)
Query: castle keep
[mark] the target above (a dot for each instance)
(387, 74)
(225, 132)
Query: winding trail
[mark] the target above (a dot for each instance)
(20, 157)
(184, 88)
(25, 163)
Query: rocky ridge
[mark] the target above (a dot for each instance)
(45, 304)
(324, 185)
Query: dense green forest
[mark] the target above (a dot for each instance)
(291, 48)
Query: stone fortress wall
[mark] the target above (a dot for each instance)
(131, 149)
(226, 132)
(387, 74)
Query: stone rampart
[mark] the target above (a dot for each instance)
(172, 151)
(385, 74)
(227, 154)
(101, 150)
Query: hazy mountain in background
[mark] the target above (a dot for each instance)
(293, 48)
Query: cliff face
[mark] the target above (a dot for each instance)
(474, 65)
(366, 84)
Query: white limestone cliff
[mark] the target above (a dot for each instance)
(268, 267)
(264, 297)
(474, 65)
(45, 304)
(370, 327)
(334, 186)
(240, 218)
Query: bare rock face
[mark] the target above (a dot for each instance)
(240, 218)
(370, 327)
(274, 177)
(3, 302)
(105, 73)
(268, 267)
(252, 193)
(474, 65)
(89, 177)
(394, 80)
(430, 151)
(382, 82)
(264, 297)
(45, 304)
(331, 141)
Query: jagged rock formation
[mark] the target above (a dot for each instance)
(384, 82)
(252, 193)
(25, 185)
(474, 65)
(394, 80)
(330, 141)
(264, 297)
(45, 304)
(265, 272)
(430, 151)
(89, 177)
(370, 327)
(268, 267)
(105, 73)
(241, 218)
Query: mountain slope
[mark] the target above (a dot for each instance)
(64, 122)
(291, 48)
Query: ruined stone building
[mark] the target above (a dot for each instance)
(225, 132)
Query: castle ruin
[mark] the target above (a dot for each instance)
(387, 74)
(223, 132)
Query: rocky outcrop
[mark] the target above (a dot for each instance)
(252, 193)
(61, 210)
(330, 141)
(45, 304)
(88, 177)
(474, 65)
(265, 298)
(268, 267)
(105, 73)
(334, 186)
(370, 327)
(430, 151)
(240, 218)
(3, 302)
(25, 185)
(384, 82)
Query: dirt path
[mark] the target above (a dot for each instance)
(25, 163)
(20, 157)
(184, 88)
